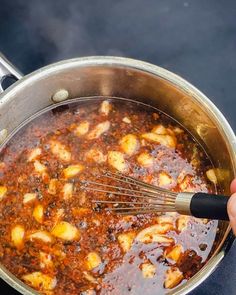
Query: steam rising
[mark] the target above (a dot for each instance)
(65, 28)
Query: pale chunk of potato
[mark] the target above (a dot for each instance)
(164, 179)
(99, 130)
(65, 231)
(40, 281)
(29, 197)
(163, 139)
(201, 220)
(105, 108)
(178, 130)
(17, 236)
(59, 150)
(174, 253)
(173, 277)
(159, 129)
(41, 235)
(145, 160)
(126, 240)
(34, 154)
(82, 128)
(129, 144)
(186, 184)
(155, 233)
(211, 176)
(182, 222)
(90, 278)
(148, 270)
(73, 170)
(164, 219)
(39, 167)
(45, 260)
(96, 155)
(92, 260)
(52, 188)
(3, 191)
(38, 213)
(67, 191)
(117, 161)
(126, 120)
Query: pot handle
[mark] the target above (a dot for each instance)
(7, 70)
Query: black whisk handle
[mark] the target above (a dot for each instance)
(209, 206)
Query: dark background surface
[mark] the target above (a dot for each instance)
(194, 38)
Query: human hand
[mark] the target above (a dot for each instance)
(232, 206)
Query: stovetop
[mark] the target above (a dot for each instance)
(195, 39)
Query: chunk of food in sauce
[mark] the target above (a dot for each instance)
(17, 236)
(66, 231)
(73, 170)
(99, 130)
(58, 240)
(39, 167)
(40, 281)
(166, 140)
(91, 279)
(129, 144)
(126, 240)
(186, 184)
(164, 179)
(155, 233)
(52, 188)
(182, 222)
(96, 155)
(173, 277)
(211, 175)
(34, 154)
(174, 253)
(60, 150)
(165, 219)
(3, 191)
(148, 270)
(126, 120)
(145, 160)
(41, 235)
(82, 128)
(92, 260)
(29, 197)
(117, 161)
(38, 213)
(67, 190)
(105, 108)
(45, 260)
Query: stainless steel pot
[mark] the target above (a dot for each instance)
(122, 77)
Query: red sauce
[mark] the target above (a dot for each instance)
(83, 249)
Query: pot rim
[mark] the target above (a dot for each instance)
(178, 82)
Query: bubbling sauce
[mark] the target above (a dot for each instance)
(53, 238)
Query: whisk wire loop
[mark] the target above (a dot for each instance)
(152, 199)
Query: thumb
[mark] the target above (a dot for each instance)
(231, 206)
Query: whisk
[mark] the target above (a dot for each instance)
(128, 196)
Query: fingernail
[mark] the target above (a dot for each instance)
(232, 211)
(232, 205)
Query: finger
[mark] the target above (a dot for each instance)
(233, 186)
(231, 206)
